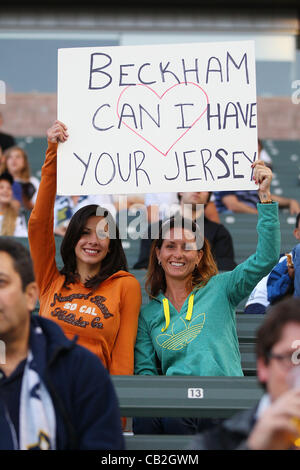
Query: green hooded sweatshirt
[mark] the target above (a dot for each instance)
(202, 339)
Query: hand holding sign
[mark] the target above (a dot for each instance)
(262, 175)
(57, 132)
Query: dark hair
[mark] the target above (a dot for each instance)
(155, 278)
(297, 220)
(5, 176)
(114, 261)
(21, 259)
(208, 199)
(284, 312)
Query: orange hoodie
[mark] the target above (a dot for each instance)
(106, 319)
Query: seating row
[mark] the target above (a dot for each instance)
(178, 396)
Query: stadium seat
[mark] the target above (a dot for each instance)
(181, 396)
(185, 396)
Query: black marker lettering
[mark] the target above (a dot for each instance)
(209, 116)
(186, 166)
(99, 71)
(219, 157)
(245, 118)
(218, 70)
(205, 167)
(131, 115)
(183, 126)
(119, 168)
(139, 75)
(163, 71)
(153, 119)
(185, 71)
(234, 163)
(137, 167)
(123, 74)
(95, 116)
(113, 169)
(234, 115)
(253, 105)
(230, 59)
(86, 165)
(174, 177)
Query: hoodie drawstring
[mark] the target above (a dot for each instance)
(167, 311)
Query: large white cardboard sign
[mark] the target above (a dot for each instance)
(157, 118)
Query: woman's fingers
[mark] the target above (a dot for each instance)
(57, 132)
(262, 175)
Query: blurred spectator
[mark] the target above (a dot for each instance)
(11, 224)
(17, 165)
(245, 202)
(282, 281)
(263, 155)
(2, 161)
(6, 140)
(160, 205)
(66, 206)
(272, 424)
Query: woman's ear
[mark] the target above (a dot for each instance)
(200, 256)
(297, 233)
(157, 252)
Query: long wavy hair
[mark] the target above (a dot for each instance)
(10, 214)
(207, 268)
(114, 261)
(25, 172)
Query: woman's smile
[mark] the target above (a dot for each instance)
(177, 255)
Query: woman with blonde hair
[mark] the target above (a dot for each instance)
(189, 326)
(11, 224)
(17, 165)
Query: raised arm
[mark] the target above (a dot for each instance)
(232, 203)
(291, 204)
(243, 279)
(40, 225)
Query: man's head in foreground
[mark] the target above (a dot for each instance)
(278, 346)
(18, 289)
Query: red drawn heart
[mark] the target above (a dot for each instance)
(161, 97)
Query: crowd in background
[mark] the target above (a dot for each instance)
(194, 283)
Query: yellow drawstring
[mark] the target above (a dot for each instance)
(190, 308)
(167, 311)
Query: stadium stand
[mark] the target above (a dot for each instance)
(222, 396)
(35, 147)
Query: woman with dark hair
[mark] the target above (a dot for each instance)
(93, 296)
(189, 325)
